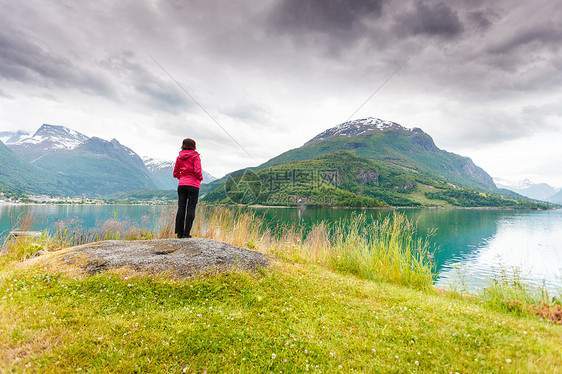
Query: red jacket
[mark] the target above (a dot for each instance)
(188, 169)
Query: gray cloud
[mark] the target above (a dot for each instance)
(248, 112)
(23, 60)
(430, 19)
(333, 17)
(531, 38)
(482, 19)
(330, 24)
(260, 66)
(158, 92)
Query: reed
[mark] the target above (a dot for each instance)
(236, 226)
(386, 250)
(510, 292)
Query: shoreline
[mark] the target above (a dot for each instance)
(257, 206)
(385, 208)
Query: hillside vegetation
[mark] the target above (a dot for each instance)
(411, 150)
(345, 179)
(313, 311)
(19, 175)
(94, 174)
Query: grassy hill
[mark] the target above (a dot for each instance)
(19, 175)
(345, 179)
(95, 174)
(318, 308)
(410, 150)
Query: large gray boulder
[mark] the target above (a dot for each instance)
(184, 257)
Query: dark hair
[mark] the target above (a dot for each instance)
(188, 144)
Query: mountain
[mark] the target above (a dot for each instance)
(86, 166)
(18, 174)
(83, 165)
(344, 179)
(162, 171)
(556, 198)
(8, 137)
(525, 187)
(47, 139)
(392, 144)
(366, 162)
(114, 150)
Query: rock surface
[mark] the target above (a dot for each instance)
(184, 257)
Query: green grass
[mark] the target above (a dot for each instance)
(386, 251)
(323, 306)
(281, 320)
(419, 197)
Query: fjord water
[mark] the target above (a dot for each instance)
(472, 245)
(81, 217)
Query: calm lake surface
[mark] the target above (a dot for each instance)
(472, 246)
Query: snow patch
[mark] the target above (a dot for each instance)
(357, 127)
(153, 164)
(51, 137)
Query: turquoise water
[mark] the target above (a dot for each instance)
(472, 245)
(51, 217)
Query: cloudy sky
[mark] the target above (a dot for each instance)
(483, 78)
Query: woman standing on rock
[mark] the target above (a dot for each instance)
(188, 171)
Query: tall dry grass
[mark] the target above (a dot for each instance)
(387, 250)
(382, 250)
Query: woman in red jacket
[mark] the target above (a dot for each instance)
(188, 171)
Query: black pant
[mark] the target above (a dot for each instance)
(187, 197)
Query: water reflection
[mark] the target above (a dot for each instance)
(525, 244)
(49, 217)
(472, 244)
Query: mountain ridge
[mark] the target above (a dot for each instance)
(84, 165)
(72, 158)
(391, 143)
(381, 163)
(346, 180)
(528, 188)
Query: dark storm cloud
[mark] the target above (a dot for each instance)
(339, 19)
(482, 19)
(23, 60)
(430, 19)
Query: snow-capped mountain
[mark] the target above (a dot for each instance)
(48, 138)
(83, 165)
(528, 188)
(10, 137)
(162, 171)
(357, 127)
(153, 164)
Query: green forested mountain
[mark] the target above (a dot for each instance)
(391, 144)
(366, 163)
(344, 179)
(18, 174)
